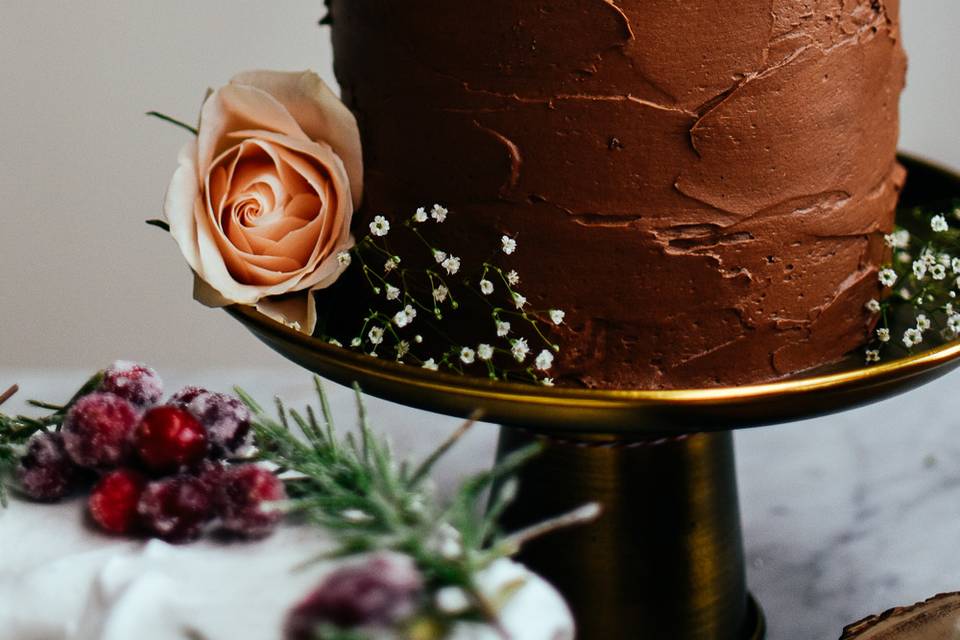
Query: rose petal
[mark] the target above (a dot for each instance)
(319, 112)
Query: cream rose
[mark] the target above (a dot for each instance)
(262, 199)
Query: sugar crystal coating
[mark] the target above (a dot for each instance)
(96, 430)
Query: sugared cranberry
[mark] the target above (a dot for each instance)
(177, 508)
(226, 418)
(45, 471)
(380, 590)
(96, 430)
(135, 382)
(242, 494)
(113, 501)
(169, 438)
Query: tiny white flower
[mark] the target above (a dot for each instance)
(405, 317)
(451, 264)
(547, 382)
(440, 293)
(467, 355)
(503, 328)
(380, 226)
(393, 293)
(912, 337)
(939, 224)
(513, 278)
(486, 287)
(420, 215)
(953, 322)
(948, 308)
(508, 244)
(873, 355)
(899, 239)
(938, 272)
(335, 342)
(873, 306)
(919, 268)
(519, 300)
(373, 354)
(944, 259)
(883, 334)
(544, 361)
(439, 256)
(418, 338)
(923, 322)
(519, 348)
(447, 541)
(928, 258)
(484, 352)
(356, 342)
(376, 335)
(557, 316)
(344, 258)
(955, 265)
(452, 600)
(403, 348)
(391, 264)
(888, 277)
(431, 365)
(438, 213)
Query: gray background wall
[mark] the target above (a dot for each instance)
(82, 279)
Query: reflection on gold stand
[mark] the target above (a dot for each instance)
(665, 561)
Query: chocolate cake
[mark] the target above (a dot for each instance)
(702, 186)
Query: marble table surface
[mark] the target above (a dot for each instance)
(843, 516)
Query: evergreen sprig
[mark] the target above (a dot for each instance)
(358, 491)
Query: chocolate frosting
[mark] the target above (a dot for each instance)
(702, 186)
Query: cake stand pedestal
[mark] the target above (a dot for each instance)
(665, 560)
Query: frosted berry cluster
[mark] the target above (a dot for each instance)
(164, 469)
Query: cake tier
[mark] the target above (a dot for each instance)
(703, 187)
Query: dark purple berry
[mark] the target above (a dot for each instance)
(113, 501)
(226, 418)
(134, 382)
(243, 494)
(380, 590)
(45, 471)
(97, 429)
(176, 509)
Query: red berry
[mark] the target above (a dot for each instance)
(169, 438)
(226, 418)
(113, 502)
(45, 471)
(242, 494)
(135, 382)
(96, 430)
(176, 509)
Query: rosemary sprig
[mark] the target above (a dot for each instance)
(369, 501)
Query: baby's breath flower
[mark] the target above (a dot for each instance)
(547, 382)
(519, 300)
(431, 365)
(912, 337)
(420, 215)
(418, 338)
(557, 316)
(467, 355)
(405, 317)
(873, 355)
(403, 348)
(873, 305)
(899, 239)
(484, 352)
(513, 278)
(928, 258)
(953, 322)
(391, 264)
(923, 322)
(955, 265)
(938, 272)
(888, 277)
(944, 259)
(486, 287)
(451, 264)
(344, 258)
(919, 268)
(508, 244)
(380, 226)
(544, 361)
(439, 256)
(438, 213)
(939, 224)
(948, 308)
(376, 335)
(883, 334)
(503, 328)
(440, 293)
(519, 349)
(335, 342)
(356, 342)
(393, 293)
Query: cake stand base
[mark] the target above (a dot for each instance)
(665, 560)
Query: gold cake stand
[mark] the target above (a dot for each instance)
(665, 560)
